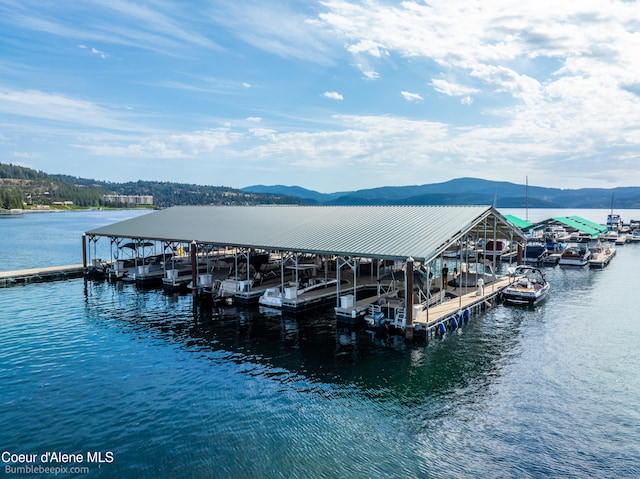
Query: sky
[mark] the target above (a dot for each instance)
(335, 95)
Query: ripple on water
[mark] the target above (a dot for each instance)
(234, 393)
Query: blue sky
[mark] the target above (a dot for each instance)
(327, 95)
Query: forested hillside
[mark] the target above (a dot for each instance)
(24, 187)
(20, 186)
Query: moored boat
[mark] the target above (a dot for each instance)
(575, 256)
(495, 249)
(614, 222)
(535, 253)
(272, 297)
(529, 289)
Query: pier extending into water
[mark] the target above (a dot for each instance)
(38, 275)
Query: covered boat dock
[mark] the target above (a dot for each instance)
(395, 253)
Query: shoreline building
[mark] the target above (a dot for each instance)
(128, 199)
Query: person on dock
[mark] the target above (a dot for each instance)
(445, 276)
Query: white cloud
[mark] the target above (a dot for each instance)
(333, 95)
(553, 76)
(184, 145)
(95, 51)
(411, 96)
(371, 74)
(452, 89)
(60, 108)
(160, 28)
(102, 54)
(274, 27)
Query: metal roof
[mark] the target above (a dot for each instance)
(519, 222)
(578, 225)
(592, 224)
(392, 232)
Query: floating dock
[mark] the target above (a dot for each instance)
(602, 257)
(39, 275)
(452, 313)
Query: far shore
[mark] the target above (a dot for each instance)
(16, 211)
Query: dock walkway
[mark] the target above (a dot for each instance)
(435, 315)
(38, 275)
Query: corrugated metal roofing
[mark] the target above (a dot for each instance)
(393, 232)
(565, 220)
(519, 222)
(592, 224)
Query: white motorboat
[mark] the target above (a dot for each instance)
(575, 256)
(614, 222)
(272, 297)
(529, 289)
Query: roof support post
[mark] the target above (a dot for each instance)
(353, 264)
(295, 264)
(495, 256)
(282, 260)
(519, 256)
(409, 298)
(84, 253)
(249, 268)
(194, 268)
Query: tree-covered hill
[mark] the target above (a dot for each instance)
(21, 186)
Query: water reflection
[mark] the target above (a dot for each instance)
(313, 346)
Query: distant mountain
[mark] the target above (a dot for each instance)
(469, 191)
(293, 191)
(20, 185)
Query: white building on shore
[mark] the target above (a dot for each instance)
(128, 199)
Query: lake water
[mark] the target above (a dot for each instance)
(141, 383)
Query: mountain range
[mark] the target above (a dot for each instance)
(21, 185)
(467, 191)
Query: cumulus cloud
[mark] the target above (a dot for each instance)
(184, 145)
(411, 96)
(452, 89)
(551, 83)
(371, 74)
(538, 67)
(333, 95)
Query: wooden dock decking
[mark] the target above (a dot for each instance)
(38, 275)
(436, 314)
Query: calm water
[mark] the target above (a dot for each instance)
(173, 390)
(54, 238)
